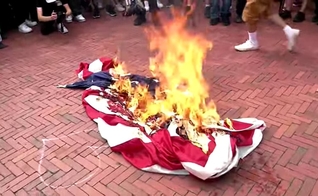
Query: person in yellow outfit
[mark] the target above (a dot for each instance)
(255, 10)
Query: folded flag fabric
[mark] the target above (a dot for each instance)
(98, 74)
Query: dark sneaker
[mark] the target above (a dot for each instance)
(140, 19)
(300, 17)
(207, 11)
(187, 9)
(214, 21)
(96, 13)
(315, 19)
(239, 19)
(3, 35)
(2, 45)
(110, 10)
(285, 14)
(226, 20)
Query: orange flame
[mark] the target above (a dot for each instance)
(178, 67)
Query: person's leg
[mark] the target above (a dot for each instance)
(154, 9)
(94, 5)
(315, 18)
(286, 13)
(60, 25)
(291, 34)
(207, 8)
(2, 45)
(32, 11)
(76, 8)
(140, 13)
(251, 15)
(300, 16)
(240, 4)
(170, 3)
(225, 12)
(110, 8)
(6, 16)
(215, 12)
(146, 4)
(21, 14)
(47, 27)
(252, 11)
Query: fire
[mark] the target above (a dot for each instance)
(178, 66)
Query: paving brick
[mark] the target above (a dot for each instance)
(76, 191)
(270, 84)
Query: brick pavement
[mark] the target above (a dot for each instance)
(271, 84)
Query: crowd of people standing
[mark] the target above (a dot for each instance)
(52, 14)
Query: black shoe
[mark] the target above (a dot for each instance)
(96, 13)
(285, 14)
(207, 11)
(300, 17)
(4, 36)
(2, 45)
(187, 9)
(110, 10)
(239, 19)
(315, 19)
(214, 21)
(226, 20)
(140, 19)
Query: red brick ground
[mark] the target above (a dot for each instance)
(271, 84)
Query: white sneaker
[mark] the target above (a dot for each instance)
(247, 46)
(59, 28)
(159, 4)
(23, 28)
(80, 18)
(119, 7)
(69, 18)
(30, 23)
(292, 39)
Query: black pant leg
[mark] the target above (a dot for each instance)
(7, 20)
(47, 27)
(153, 6)
(240, 4)
(316, 7)
(75, 6)
(20, 10)
(32, 10)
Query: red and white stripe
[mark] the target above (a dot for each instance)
(166, 152)
(87, 69)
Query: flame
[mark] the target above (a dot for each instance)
(178, 66)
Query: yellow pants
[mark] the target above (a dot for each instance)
(255, 10)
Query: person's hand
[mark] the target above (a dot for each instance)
(53, 16)
(68, 12)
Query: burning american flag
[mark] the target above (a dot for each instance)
(163, 124)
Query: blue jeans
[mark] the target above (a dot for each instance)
(215, 8)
